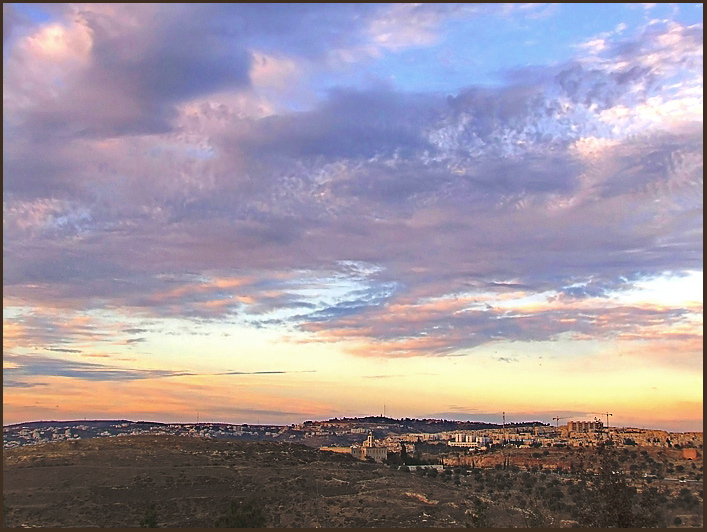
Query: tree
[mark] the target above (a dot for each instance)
(611, 503)
(534, 517)
(403, 453)
(480, 514)
(393, 459)
(242, 514)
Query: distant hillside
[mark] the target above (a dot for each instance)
(99, 423)
(429, 425)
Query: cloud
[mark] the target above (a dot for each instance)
(35, 365)
(46, 330)
(157, 195)
(9, 383)
(12, 22)
(22, 367)
(457, 323)
(143, 60)
(262, 372)
(404, 25)
(61, 350)
(134, 330)
(350, 124)
(140, 61)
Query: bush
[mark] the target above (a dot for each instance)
(149, 520)
(6, 510)
(242, 514)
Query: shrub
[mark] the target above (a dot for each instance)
(479, 515)
(6, 510)
(242, 514)
(149, 520)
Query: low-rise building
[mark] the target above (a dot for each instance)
(370, 449)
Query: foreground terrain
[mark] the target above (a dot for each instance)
(190, 482)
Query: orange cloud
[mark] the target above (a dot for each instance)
(65, 398)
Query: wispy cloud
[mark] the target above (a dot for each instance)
(23, 366)
(34, 365)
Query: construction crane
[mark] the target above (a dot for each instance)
(607, 414)
(557, 421)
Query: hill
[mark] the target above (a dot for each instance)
(192, 482)
(111, 481)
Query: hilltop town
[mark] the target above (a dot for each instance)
(434, 438)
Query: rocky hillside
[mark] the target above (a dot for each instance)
(111, 482)
(174, 481)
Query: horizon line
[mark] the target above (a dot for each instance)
(320, 421)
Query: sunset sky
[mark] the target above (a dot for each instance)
(271, 213)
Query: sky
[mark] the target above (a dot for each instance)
(261, 213)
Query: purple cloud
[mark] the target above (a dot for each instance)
(138, 176)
